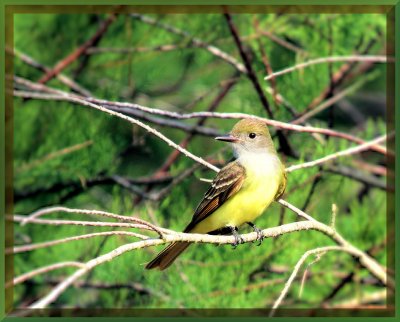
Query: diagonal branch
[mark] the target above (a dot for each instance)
(45, 269)
(48, 210)
(30, 247)
(192, 40)
(61, 95)
(61, 77)
(332, 59)
(283, 141)
(297, 268)
(79, 51)
(62, 222)
(332, 100)
(353, 150)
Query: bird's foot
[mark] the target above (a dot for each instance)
(238, 238)
(260, 236)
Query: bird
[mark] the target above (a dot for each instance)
(240, 192)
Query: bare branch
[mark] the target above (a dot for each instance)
(138, 287)
(365, 260)
(195, 129)
(60, 95)
(332, 59)
(193, 40)
(283, 42)
(250, 71)
(356, 174)
(362, 147)
(79, 51)
(49, 210)
(353, 150)
(82, 101)
(332, 100)
(61, 77)
(283, 141)
(45, 269)
(61, 222)
(297, 268)
(30, 247)
(370, 297)
(53, 155)
(334, 214)
(296, 210)
(119, 50)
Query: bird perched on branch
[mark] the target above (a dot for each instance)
(239, 193)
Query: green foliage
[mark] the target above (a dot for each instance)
(207, 276)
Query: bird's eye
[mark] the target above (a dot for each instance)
(252, 135)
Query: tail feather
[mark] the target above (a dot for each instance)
(167, 256)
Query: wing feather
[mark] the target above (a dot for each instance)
(227, 183)
(282, 186)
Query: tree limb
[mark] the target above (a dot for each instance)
(91, 102)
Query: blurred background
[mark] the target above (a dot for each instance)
(67, 154)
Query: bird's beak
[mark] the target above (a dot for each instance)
(228, 138)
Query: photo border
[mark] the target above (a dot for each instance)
(7, 8)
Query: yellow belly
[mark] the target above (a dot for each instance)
(257, 193)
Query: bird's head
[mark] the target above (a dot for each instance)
(249, 135)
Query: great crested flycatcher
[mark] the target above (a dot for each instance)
(239, 193)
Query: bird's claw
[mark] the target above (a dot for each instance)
(238, 238)
(260, 235)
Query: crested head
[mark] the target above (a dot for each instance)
(248, 126)
(250, 136)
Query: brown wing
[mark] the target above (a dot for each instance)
(282, 186)
(228, 182)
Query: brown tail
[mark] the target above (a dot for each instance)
(167, 256)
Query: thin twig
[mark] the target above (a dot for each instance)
(282, 42)
(192, 40)
(353, 150)
(53, 209)
(334, 214)
(61, 77)
(79, 51)
(296, 210)
(332, 59)
(138, 287)
(372, 251)
(370, 297)
(45, 269)
(62, 222)
(30, 247)
(297, 268)
(341, 75)
(356, 174)
(120, 50)
(332, 100)
(53, 155)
